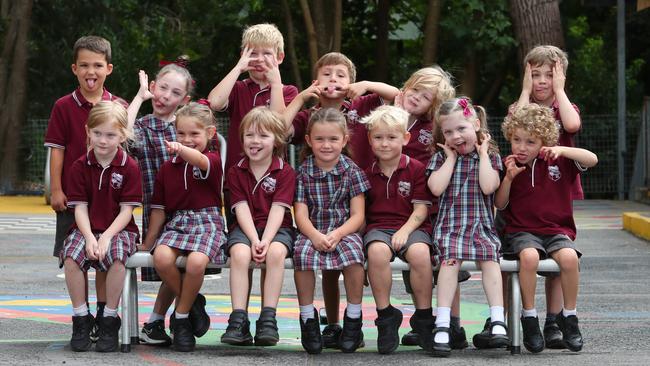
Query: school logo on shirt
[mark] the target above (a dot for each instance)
(353, 116)
(425, 137)
(404, 188)
(554, 173)
(268, 185)
(116, 180)
(196, 172)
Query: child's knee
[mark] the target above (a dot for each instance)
(418, 255)
(276, 254)
(567, 260)
(240, 253)
(378, 252)
(529, 259)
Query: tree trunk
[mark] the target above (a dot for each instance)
(381, 65)
(470, 75)
(323, 33)
(13, 80)
(431, 26)
(311, 32)
(338, 19)
(291, 45)
(536, 22)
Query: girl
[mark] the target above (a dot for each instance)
(465, 175)
(188, 187)
(262, 186)
(104, 186)
(329, 211)
(172, 87)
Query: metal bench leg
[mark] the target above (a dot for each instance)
(135, 339)
(126, 309)
(514, 314)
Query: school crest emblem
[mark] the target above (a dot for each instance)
(268, 185)
(404, 188)
(117, 180)
(425, 137)
(554, 173)
(353, 116)
(196, 172)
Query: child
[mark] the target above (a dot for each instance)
(66, 134)
(329, 210)
(262, 186)
(103, 187)
(397, 224)
(543, 83)
(262, 52)
(172, 87)
(188, 187)
(335, 87)
(465, 175)
(540, 174)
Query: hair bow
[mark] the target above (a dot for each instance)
(203, 101)
(464, 103)
(180, 62)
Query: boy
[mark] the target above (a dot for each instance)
(66, 134)
(540, 174)
(398, 224)
(335, 87)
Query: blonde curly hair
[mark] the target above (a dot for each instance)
(535, 119)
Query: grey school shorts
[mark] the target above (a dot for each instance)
(384, 236)
(284, 235)
(545, 244)
(64, 221)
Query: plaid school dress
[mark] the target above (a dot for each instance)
(464, 228)
(328, 195)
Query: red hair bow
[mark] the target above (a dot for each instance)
(203, 101)
(464, 103)
(180, 62)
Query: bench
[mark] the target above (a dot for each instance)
(130, 327)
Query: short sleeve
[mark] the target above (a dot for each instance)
(286, 187)
(436, 162)
(359, 180)
(236, 187)
(421, 193)
(132, 191)
(300, 186)
(290, 92)
(55, 135)
(158, 197)
(495, 161)
(76, 184)
(300, 127)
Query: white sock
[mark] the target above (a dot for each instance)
(496, 313)
(567, 312)
(306, 312)
(110, 312)
(353, 311)
(532, 313)
(155, 316)
(181, 316)
(80, 311)
(443, 319)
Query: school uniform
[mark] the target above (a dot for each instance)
(328, 195)
(66, 130)
(354, 111)
(244, 96)
(104, 190)
(464, 228)
(276, 187)
(419, 148)
(546, 186)
(148, 147)
(193, 198)
(389, 203)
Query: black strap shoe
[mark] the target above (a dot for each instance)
(238, 331)
(266, 329)
(388, 331)
(109, 338)
(533, 340)
(199, 317)
(331, 335)
(553, 336)
(183, 340)
(81, 328)
(352, 335)
(440, 349)
(423, 327)
(310, 336)
(570, 332)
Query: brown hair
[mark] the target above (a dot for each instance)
(326, 115)
(475, 112)
(94, 44)
(336, 58)
(546, 55)
(177, 66)
(262, 118)
(537, 120)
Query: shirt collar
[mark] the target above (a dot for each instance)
(177, 159)
(156, 124)
(276, 164)
(404, 161)
(81, 100)
(341, 167)
(118, 160)
(255, 87)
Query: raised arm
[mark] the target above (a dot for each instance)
(439, 179)
(569, 116)
(142, 95)
(584, 157)
(385, 91)
(218, 97)
(502, 196)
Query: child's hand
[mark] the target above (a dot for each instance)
(102, 246)
(244, 61)
(399, 239)
(333, 239)
(259, 251)
(272, 72)
(145, 246)
(91, 248)
(356, 90)
(482, 148)
(173, 147)
(551, 153)
(558, 77)
(58, 200)
(399, 100)
(512, 170)
(451, 153)
(320, 242)
(313, 91)
(527, 86)
(144, 92)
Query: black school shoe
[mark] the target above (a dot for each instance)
(199, 317)
(411, 338)
(94, 333)
(440, 349)
(570, 332)
(485, 339)
(183, 340)
(458, 338)
(310, 336)
(81, 328)
(533, 340)
(238, 332)
(482, 339)
(388, 331)
(352, 335)
(331, 335)
(109, 338)
(154, 334)
(553, 335)
(422, 328)
(266, 329)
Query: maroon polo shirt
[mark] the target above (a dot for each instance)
(246, 95)
(276, 186)
(182, 186)
(389, 203)
(105, 189)
(540, 200)
(419, 146)
(66, 128)
(354, 111)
